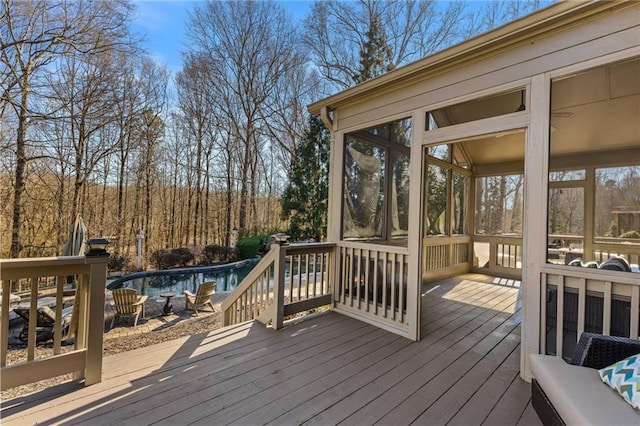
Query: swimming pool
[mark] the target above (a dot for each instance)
(152, 283)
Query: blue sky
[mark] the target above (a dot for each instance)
(163, 23)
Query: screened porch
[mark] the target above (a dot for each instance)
(473, 204)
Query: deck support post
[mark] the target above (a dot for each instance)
(534, 244)
(278, 286)
(416, 203)
(95, 320)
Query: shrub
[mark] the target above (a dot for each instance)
(161, 259)
(166, 259)
(248, 248)
(184, 256)
(118, 262)
(214, 253)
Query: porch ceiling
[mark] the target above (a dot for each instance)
(593, 111)
(497, 148)
(597, 110)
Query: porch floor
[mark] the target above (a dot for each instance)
(327, 369)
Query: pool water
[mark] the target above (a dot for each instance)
(152, 283)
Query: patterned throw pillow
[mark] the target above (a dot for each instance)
(624, 377)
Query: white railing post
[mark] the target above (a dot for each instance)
(278, 286)
(95, 326)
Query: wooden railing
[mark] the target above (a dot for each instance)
(254, 294)
(629, 249)
(505, 255)
(603, 248)
(85, 358)
(290, 279)
(442, 256)
(373, 284)
(582, 299)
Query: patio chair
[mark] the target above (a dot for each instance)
(13, 299)
(44, 324)
(128, 302)
(616, 264)
(201, 298)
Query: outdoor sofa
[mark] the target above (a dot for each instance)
(573, 393)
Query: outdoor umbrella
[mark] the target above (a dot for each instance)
(75, 244)
(75, 247)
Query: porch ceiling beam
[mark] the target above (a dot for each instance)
(505, 168)
(477, 129)
(620, 157)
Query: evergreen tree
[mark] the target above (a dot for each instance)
(376, 56)
(304, 202)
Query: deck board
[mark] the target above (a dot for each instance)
(232, 378)
(485, 397)
(329, 369)
(447, 404)
(336, 401)
(406, 399)
(512, 404)
(456, 334)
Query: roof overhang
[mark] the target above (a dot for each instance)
(551, 19)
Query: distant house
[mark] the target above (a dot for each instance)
(478, 157)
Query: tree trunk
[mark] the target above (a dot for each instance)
(229, 200)
(244, 188)
(21, 162)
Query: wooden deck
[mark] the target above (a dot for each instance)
(326, 370)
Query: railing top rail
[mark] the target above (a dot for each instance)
(439, 241)
(497, 238)
(308, 248)
(622, 245)
(630, 278)
(567, 236)
(374, 247)
(12, 269)
(598, 239)
(257, 270)
(35, 262)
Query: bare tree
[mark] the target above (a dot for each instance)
(153, 80)
(498, 12)
(251, 46)
(337, 32)
(196, 100)
(33, 35)
(141, 89)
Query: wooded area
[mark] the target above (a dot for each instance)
(90, 125)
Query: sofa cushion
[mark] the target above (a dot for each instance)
(624, 377)
(578, 394)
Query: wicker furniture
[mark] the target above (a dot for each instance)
(572, 393)
(201, 298)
